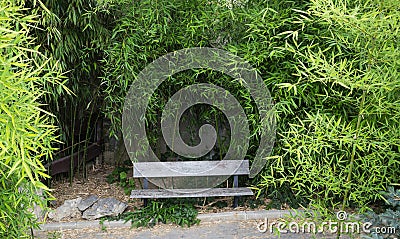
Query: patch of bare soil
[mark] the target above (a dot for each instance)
(94, 184)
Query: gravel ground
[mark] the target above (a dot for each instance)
(214, 230)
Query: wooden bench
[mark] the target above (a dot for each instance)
(191, 169)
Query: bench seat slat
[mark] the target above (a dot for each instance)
(190, 168)
(184, 193)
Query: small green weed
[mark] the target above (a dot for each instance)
(54, 235)
(101, 222)
(120, 175)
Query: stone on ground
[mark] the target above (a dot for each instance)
(104, 207)
(66, 211)
(87, 202)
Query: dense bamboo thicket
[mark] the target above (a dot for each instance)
(27, 132)
(332, 67)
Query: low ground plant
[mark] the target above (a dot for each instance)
(161, 211)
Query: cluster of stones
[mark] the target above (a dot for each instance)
(90, 208)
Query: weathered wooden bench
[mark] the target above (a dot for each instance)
(147, 170)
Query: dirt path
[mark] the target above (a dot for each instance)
(213, 230)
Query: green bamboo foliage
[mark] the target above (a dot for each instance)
(332, 69)
(146, 30)
(73, 32)
(27, 133)
(342, 145)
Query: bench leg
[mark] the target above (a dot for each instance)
(235, 201)
(235, 185)
(145, 186)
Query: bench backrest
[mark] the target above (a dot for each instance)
(190, 168)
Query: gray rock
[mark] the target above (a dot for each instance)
(38, 212)
(87, 202)
(68, 210)
(104, 207)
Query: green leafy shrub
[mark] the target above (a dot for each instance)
(145, 30)
(338, 140)
(26, 131)
(120, 175)
(169, 211)
(331, 67)
(72, 31)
